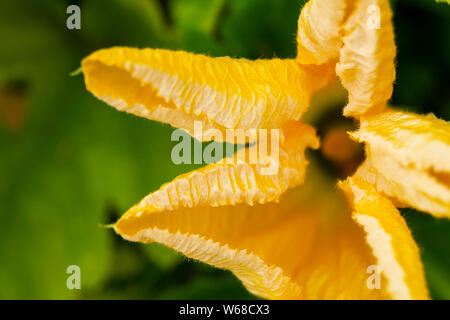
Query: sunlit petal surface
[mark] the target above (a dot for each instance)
(360, 37)
(318, 37)
(391, 241)
(407, 159)
(233, 180)
(304, 247)
(282, 239)
(178, 87)
(366, 64)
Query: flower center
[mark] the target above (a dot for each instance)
(338, 155)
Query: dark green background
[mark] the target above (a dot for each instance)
(71, 163)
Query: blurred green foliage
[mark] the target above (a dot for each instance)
(69, 163)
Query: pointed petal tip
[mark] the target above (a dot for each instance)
(388, 235)
(180, 88)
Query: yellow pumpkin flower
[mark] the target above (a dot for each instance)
(283, 235)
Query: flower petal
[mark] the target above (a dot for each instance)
(318, 36)
(304, 247)
(359, 35)
(252, 175)
(390, 239)
(177, 87)
(407, 159)
(366, 64)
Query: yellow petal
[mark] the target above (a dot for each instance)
(407, 159)
(366, 63)
(390, 239)
(252, 175)
(177, 87)
(318, 37)
(359, 35)
(304, 247)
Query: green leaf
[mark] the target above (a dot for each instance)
(198, 15)
(213, 287)
(432, 237)
(28, 39)
(256, 29)
(165, 258)
(74, 159)
(138, 23)
(49, 218)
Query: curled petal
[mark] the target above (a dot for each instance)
(389, 238)
(318, 37)
(366, 64)
(304, 247)
(252, 175)
(360, 37)
(179, 88)
(407, 159)
(417, 140)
